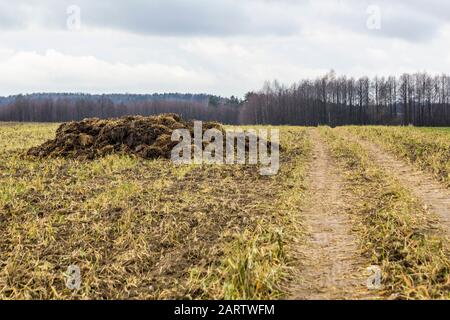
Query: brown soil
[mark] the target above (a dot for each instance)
(147, 137)
(434, 196)
(330, 267)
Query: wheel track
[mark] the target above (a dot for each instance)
(434, 196)
(329, 264)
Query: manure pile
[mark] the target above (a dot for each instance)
(146, 137)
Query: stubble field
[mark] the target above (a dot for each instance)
(343, 200)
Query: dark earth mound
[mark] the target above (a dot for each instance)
(147, 137)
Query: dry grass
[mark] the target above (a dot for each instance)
(396, 232)
(143, 229)
(256, 261)
(427, 148)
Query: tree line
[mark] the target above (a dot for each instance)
(417, 99)
(69, 107)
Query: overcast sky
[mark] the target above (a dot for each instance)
(225, 47)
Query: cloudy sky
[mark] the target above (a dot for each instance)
(225, 47)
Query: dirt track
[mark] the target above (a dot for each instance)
(330, 267)
(433, 195)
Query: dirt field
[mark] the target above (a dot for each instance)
(345, 199)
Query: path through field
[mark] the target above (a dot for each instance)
(329, 264)
(422, 185)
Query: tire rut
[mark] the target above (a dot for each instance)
(434, 196)
(329, 264)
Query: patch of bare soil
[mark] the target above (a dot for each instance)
(434, 196)
(329, 264)
(147, 137)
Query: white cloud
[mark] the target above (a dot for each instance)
(222, 47)
(53, 71)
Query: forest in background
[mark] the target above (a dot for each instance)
(417, 99)
(60, 107)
